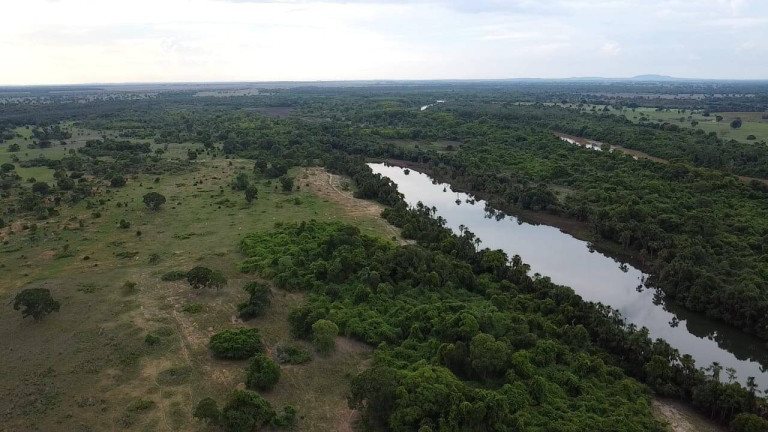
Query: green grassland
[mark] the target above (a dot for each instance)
(88, 366)
(752, 122)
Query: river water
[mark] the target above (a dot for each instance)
(594, 276)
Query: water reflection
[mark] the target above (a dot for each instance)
(596, 277)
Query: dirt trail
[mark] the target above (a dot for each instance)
(681, 418)
(329, 186)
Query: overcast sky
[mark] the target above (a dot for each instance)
(88, 41)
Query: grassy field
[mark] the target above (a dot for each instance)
(752, 122)
(87, 368)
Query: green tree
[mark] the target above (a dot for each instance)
(117, 180)
(324, 334)
(36, 302)
(287, 183)
(251, 192)
(154, 200)
(41, 188)
(736, 123)
(241, 182)
(262, 373)
(488, 356)
(199, 277)
(260, 297)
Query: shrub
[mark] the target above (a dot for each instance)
(193, 308)
(208, 411)
(124, 224)
(291, 353)
(236, 343)
(129, 288)
(245, 411)
(154, 200)
(286, 419)
(173, 275)
(324, 334)
(748, 423)
(262, 373)
(151, 339)
(154, 258)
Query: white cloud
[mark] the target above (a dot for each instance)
(68, 41)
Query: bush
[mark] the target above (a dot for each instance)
(154, 259)
(324, 334)
(291, 353)
(258, 302)
(236, 343)
(151, 339)
(35, 302)
(208, 411)
(748, 423)
(262, 373)
(173, 275)
(129, 288)
(193, 308)
(124, 224)
(245, 411)
(286, 419)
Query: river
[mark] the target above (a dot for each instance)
(569, 261)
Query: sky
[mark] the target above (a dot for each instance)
(118, 41)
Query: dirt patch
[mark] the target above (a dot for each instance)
(331, 187)
(681, 418)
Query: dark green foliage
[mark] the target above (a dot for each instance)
(41, 188)
(286, 419)
(174, 275)
(117, 180)
(241, 182)
(251, 192)
(154, 200)
(488, 348)
(262, 373)
(324, 334)
(239, 344)
(207, 410)
(736, 123)
(286, 183)
(7, 167)
(35, 302)
(748, 423)
(260, 297)
(291, 353)
(245, 411)
(151, 339)
(124, 224)
(193, 308)
(203, 277)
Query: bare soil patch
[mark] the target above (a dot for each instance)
(681, 418)
(330, 187)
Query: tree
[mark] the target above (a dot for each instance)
(199, 277)
(237, 344)
(7, 167)
(41, 188)
(36, 302)
(241, 182)
(251, 192)
(287, 183)
(262, 373)
(154, 200)
(736, 123)
(488, 356)
(258, 302)
(117, 181)
(748, 423)
(14, 147)
(324, 334)
(718, 118)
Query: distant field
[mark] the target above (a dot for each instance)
(102, 365)
(752, 122)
